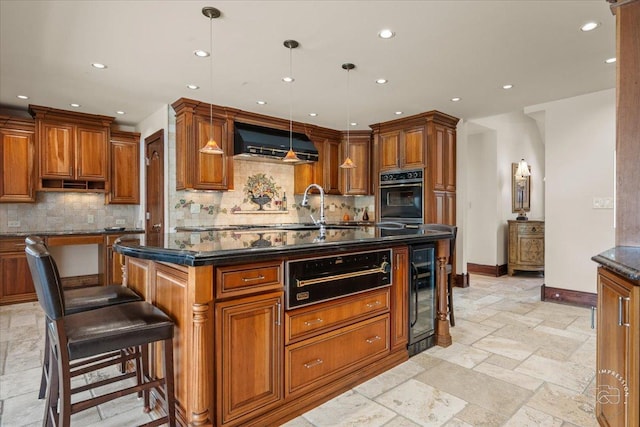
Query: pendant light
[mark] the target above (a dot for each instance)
(211, 146)
(348, 163)
(291, 155)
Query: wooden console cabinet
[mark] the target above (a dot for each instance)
(618, 351)
(526, 246)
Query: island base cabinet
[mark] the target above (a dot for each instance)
(618, 351)
(249, 339)
(317, 361)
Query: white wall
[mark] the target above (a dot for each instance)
(494, 143)
(580, 144)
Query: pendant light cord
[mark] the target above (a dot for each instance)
(291, 99)
(211, 75)
(348, 111)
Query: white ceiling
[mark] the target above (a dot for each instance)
(442, 49)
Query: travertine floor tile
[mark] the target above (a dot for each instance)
(460, 354)
(350, 409)
(505, 347)
(565, 374)
(564, 404)
(477, 416)
(389, 379)
(529, 417)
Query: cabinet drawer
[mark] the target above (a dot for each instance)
(12, 245)
(243, 279)
(320, 360)
(90, 239)
(309, 321)
(531, 228)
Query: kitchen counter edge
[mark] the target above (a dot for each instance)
(624, 260)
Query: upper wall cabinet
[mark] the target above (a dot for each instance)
(402, 148)
(124, 176)
(194, 127)
(17, 160)
(326, 171)
(72, 149)
(357, 181)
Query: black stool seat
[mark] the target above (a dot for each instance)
(92, 297)
(116, 327)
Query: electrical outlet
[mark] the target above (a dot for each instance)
(14, 224)
(120, 222)
(195, 208)
(90, 219)
(332, 207)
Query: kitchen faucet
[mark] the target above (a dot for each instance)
(305, 202)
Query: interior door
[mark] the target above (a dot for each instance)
(154, 155)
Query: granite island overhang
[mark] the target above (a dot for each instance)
(242, 358)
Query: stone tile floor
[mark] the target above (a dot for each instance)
(515, 361)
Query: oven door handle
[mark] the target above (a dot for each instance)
(414, 284)
(306, 282)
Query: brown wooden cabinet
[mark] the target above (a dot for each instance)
(125, 168)
(326, 171)
(357, 181)
(15, 277)
(426, 142)
(72, 149)
(400, 299)
(526, 246)
(249, 337)
(194, 127)
(17, 160)
(618, 351)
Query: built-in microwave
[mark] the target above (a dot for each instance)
(401, 196)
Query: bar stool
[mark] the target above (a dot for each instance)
(83, 299)
(92, 335)
(452, 250)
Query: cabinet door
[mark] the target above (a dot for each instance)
(125, 172)
(56, 142)
(450, 160)
(210, 171)
(412, 148)
(249, 344)
(617, 352)
(331, 167)
(17, 156)
(91, 153)
(444, 161)
(16, 284)
(400, 299)
(389, 150)
(357, 181)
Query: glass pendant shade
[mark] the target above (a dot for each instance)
(211, 147)
(347, 164)
(291, 157)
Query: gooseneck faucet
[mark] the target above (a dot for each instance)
(305, 202)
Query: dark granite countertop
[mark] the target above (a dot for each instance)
(114, 230)
(624, 260)
(220, 246)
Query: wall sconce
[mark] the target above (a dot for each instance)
(522, 188)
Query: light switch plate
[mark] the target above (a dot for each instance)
(195, 208)
(90, 219)
(120, 222)
(14, 224)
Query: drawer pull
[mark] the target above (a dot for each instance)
(313, 363)
(372, 340)
(313, 322)
(251, 279)
(373, 304)
(621, 317)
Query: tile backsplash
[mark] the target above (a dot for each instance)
(64, 212)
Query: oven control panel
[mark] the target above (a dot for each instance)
(404, 176)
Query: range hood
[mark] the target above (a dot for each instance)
(250, 141)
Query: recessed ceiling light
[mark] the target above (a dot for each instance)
(456, 99)
(261, 102)
(201, 53)
(193, 87)
(507, 86)
(397, 113)
(386, 34)
(98, 66)
(74, 105)
(590, 26)
(313, 114)
(288, 79)
(122, 113)
(381, 81)
(610, 60)
(353, 124)
(23, 97)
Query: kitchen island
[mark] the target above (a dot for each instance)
(244, 354)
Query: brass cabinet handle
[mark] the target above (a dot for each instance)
(373, 339)
(313, 363)
(250, 279)
(307, 282)
(313, 322)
